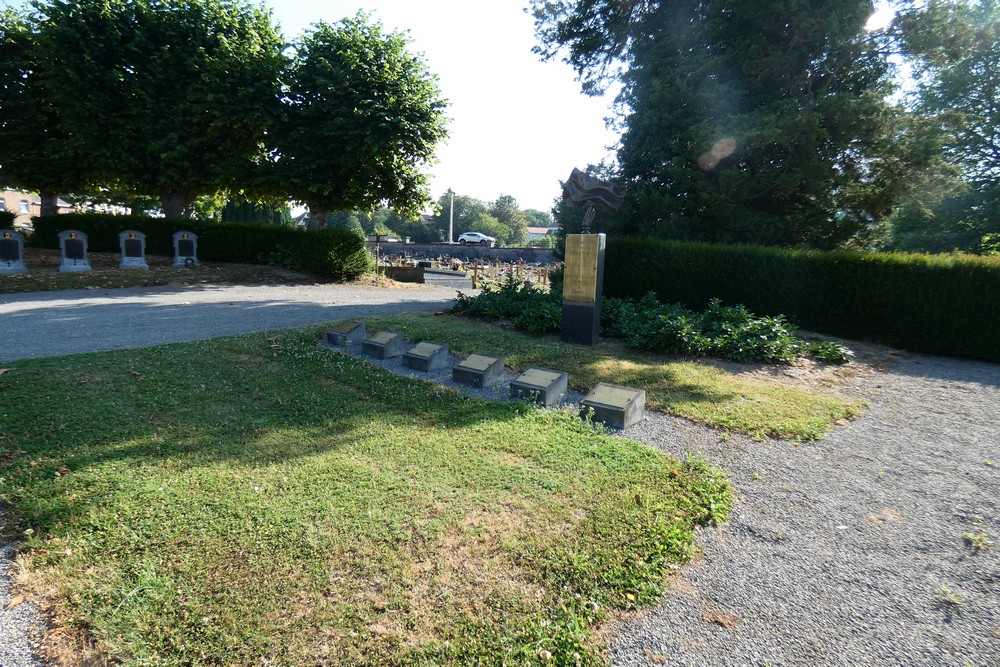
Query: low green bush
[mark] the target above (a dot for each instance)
(332, 253)
(729, 332)
(7, 219)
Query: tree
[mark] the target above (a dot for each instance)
(512, 218)
(743, 121)
(466, 210)
(954, 50)
(361, 118)
(170, 97)
(40, 152)
(538, 218)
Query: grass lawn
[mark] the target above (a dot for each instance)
(695, 390)
(257, 500)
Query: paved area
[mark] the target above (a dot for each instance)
(44, 324)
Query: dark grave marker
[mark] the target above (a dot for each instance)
(185, 249)
(73, 246)
(479, 370)
(427, 356)
(384, 345)
(540, 385)
(346, 333)
(615, 406)
(11, 252)
(133, 248)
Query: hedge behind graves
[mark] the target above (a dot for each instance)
(940, 304)
(327, 252)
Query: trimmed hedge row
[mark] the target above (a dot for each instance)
(336, 253)
(939, 304)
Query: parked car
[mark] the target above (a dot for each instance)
(477, 238)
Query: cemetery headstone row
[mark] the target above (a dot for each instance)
(615, 406)
(74, 255)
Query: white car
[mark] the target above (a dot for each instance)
(477, 238)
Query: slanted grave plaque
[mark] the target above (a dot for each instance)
(540, 385)
(427, 356)
(73, 247)
(346, 333)
(133, 247)
(615, 406)
(12, 252)
(479, 370)
(384, 345)
(185, 249)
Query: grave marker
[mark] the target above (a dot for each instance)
(479, 370)
(73, 248)
(185, 249)
(133, 247)
(540, 385)
(615, 406)
(384, 345)
(12, 252)
(346, 333)
(427, 356)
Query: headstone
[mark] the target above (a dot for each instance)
(427, 356)
(73, 247)
(384, 345)
(540, 385)
(346, 333)
(185, 249)
(12, 252)
(133, 246)
(615, 406)
(479, 370)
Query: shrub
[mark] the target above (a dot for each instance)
(944, 304)
(7, 219)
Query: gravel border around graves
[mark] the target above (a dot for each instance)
(850, 550)
(19, 617)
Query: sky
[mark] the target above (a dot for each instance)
(518, 126)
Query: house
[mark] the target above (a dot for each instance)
(25, 205)
(540, 232)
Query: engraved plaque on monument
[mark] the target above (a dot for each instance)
(11, 252)
(133, 247)
(73, 247)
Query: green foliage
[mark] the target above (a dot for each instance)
(501, 219)
(332, 253)
(7, 219)
(744, 122)
(361, 117)
(936, 304)
(274, 212)
(169, 97)
(531, 309)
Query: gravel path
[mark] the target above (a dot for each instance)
(849, 551)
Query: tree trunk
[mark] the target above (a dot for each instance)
(50, 203)
(317, 217)
(177, 204)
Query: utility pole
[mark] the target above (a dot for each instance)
(451, 218)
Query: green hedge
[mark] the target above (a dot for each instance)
(328, 252)
(939, 304)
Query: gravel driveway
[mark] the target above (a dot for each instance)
(849, 551)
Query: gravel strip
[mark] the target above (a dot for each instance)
(19, 618)
(851, 550)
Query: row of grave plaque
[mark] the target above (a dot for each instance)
(615, 406)
(74, 255)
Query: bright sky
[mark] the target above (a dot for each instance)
(518, 126)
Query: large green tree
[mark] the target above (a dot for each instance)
(953, 48)
(744, 121)
(361, 120)
(39, 152)
(166, 97)
(515, 223)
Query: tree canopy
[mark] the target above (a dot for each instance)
(361, 118)
(743, 121)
